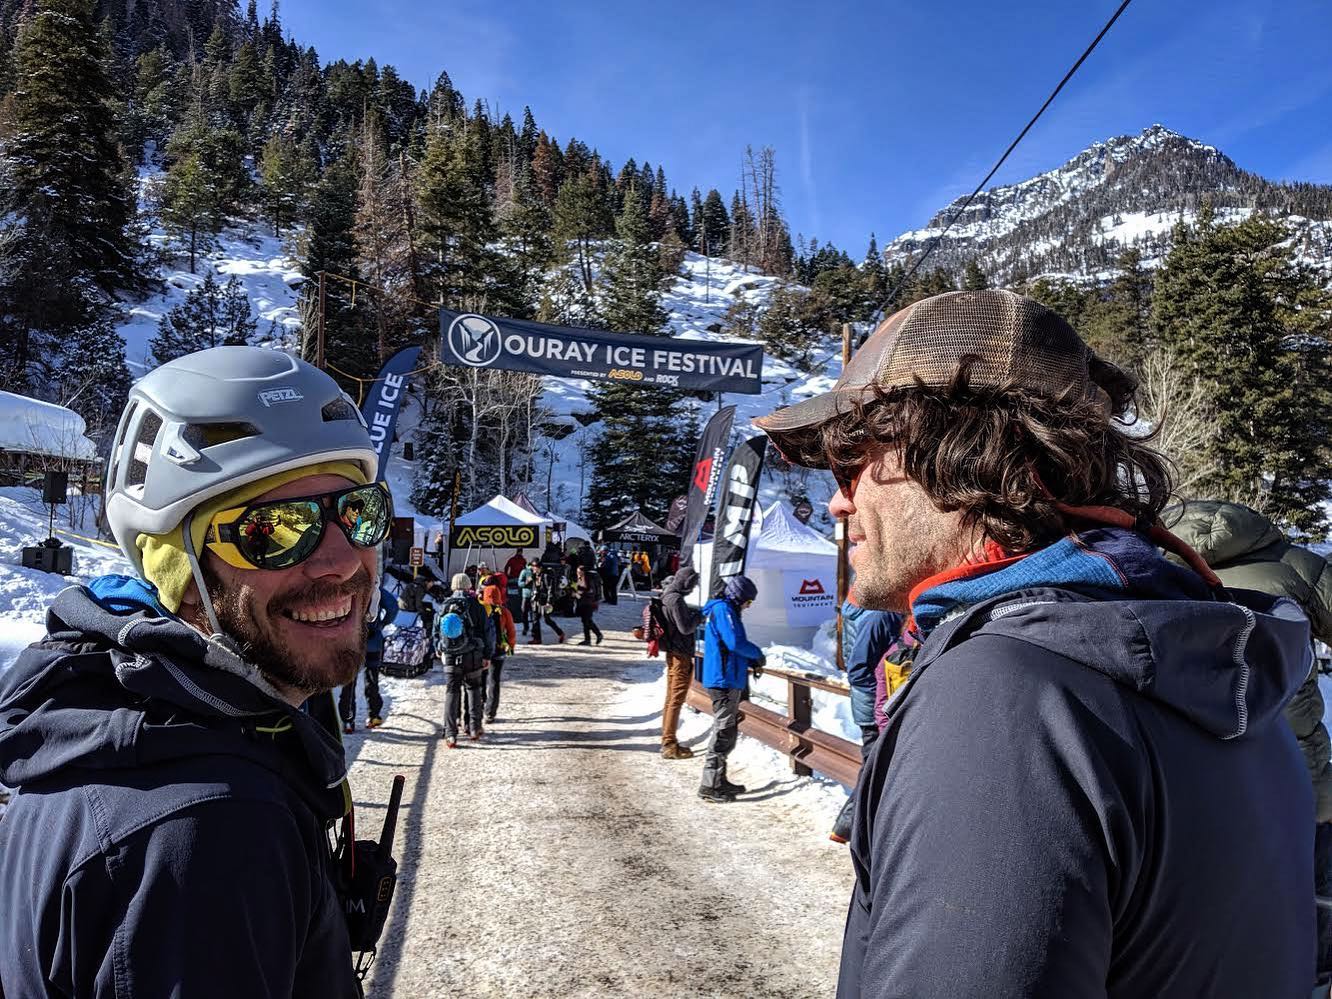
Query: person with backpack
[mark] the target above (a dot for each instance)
(589, 599)
(506, 640)
(169, 836)
(679, 622)
(728, 657)
(374, 655)
(543, 601)
(465, 643)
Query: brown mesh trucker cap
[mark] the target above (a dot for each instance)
(1017, 340)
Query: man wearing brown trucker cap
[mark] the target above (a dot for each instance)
(1085, 787)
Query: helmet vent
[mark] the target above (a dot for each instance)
(143, 448)
(339, 409)
(205, 435)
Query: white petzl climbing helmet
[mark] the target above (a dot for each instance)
(211, 421)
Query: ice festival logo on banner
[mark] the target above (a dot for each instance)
(475, 340)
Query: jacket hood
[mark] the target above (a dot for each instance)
(119, 683)
(1221, 532)
(1230, 667)
(684, 581)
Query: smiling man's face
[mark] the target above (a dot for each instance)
(899, 536)
(303, 627)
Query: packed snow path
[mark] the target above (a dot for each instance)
(562, 856)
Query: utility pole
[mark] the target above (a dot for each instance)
(319, 341)
(843, 567)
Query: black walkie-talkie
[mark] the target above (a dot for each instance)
(369, 876)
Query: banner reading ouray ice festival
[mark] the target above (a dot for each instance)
(735, 509)
(384, 400)
(518, 345)
(704, 478)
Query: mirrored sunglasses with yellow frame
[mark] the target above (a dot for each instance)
(279, 534)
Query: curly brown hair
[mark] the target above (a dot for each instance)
(1006, 457)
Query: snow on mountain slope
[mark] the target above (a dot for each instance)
(261, 262)
(1129, 191)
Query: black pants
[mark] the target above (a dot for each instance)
(608, 583)
(527, 612)
(589, 626)
(842, 824)
(492, 687)
(463, 679)
(373, 701)
(537, 616)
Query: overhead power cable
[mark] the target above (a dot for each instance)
(892, 297)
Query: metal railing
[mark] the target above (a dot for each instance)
(793, 733)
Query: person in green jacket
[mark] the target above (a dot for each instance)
(1249, 552)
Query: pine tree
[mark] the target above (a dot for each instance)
(642, 451)
(284, 179)
(581, 219)
(212, 315)
(455, 219)
(1117, 326)
(1251, 323)
(973, 278)
(92, 378)
(189, 205)
(349, 340)
(68, 174)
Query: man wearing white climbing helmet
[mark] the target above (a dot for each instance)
(170, 834)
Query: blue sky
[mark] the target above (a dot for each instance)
(880, 112)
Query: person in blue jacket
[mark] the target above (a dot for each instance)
(728, 657)
(374, 657)
(866, 635)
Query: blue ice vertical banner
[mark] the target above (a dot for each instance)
(383, 402)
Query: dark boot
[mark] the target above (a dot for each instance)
(841, 830)
(715, 794)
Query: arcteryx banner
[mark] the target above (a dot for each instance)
(517, 345)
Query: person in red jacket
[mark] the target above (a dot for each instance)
(506, 640)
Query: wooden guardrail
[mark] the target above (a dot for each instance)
(793, 733)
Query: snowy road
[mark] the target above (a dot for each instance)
(563, 857)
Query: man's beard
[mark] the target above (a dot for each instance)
(280, 664)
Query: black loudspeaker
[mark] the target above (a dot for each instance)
(408, 452)
(402, 550)
(55, 486)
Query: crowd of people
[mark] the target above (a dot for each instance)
(1083, 772)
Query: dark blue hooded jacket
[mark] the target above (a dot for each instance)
(1087, 790)
(168, 837)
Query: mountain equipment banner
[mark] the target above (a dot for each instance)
(703, 481)
(478, 341)
(384, 400)
(810, 596)
(735, 509)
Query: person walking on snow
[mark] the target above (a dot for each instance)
(506, 640)
(680, 622)
(728, 656)
(169, 836)
(465, 642)
(526, 581)
(1086, 786)
(374, 655)
(610, 575)
(543, 600)
(589, 599)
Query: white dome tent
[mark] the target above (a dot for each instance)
(795, 570)
(498, 512)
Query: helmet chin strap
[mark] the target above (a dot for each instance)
(197, 570)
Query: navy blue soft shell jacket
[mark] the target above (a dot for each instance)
(168, 837)
(1089, 795)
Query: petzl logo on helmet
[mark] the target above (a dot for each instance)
(274, 396)
(474, 340)
(808, 586)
